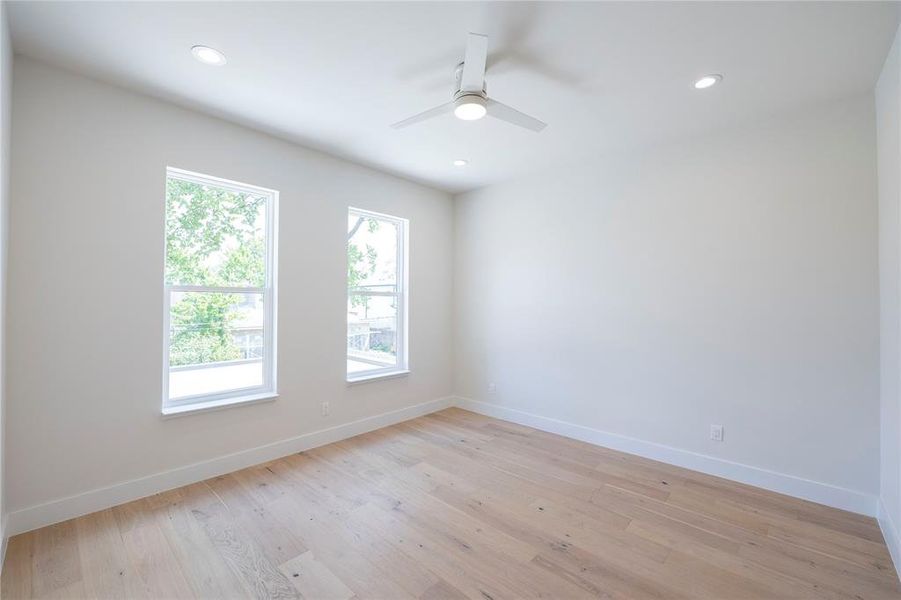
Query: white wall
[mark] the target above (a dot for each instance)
(888, 136)
(86, 268)
(728, 280)
(6, 63)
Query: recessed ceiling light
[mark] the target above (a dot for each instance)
(470, 107)
(460, 162)
(708, 81)
(208, 56)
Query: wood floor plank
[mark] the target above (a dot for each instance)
(543, 522)
(606, 576)
(442, 590)
(106, 570)
(455, 528)
(156, 565)
(204, 568)
(458, 505)
(713, 508)
(411, 576)
(343, 552)
(275, 541)
(700, 579)
(241, 552)
(313, 579)
(318, 512)
(822, 570)
(16, 581)
(56, 558)
(846, 547)
(475, 569)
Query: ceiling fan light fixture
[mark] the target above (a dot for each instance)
(470, 108)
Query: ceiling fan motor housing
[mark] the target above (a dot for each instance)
(458, 84)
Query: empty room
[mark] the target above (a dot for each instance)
(444, 300)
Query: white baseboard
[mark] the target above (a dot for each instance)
(890, 533)
(55, 511)
(822, 493)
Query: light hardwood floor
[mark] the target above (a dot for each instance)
(457, 505)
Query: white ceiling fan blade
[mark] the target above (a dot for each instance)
(423, 116)
(509, 114)
(473, 78)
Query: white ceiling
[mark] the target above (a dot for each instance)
(606, 77)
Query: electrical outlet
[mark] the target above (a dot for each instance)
(716, 433)
(325, 409)
(492, 388)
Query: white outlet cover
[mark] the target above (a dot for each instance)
(716, 433)
(492, 388)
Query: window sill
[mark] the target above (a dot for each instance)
(211, 405)
(377, 376)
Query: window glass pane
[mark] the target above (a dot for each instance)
(371, 332)
(215, 342)
(371, 253)
(214, 236)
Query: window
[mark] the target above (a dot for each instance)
(219, 292)
(376, 295)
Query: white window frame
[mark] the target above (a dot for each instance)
(401, 293)
(268, 390)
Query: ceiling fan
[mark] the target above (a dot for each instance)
(471, 102)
